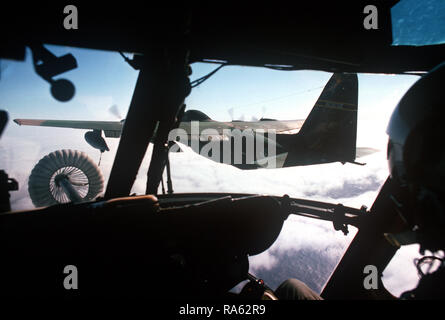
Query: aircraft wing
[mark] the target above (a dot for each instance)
(114, 128)
(280, 126)
(285, 126)
(110, 128)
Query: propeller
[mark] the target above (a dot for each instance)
(263, 110)
(230, 111)
(232, 116)
(114, 110)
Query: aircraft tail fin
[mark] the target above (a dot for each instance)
(330, 130)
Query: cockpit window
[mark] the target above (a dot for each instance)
(418, 23)
(237, 96)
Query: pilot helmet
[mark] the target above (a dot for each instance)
(416, 157)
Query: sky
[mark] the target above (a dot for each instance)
(306, 249)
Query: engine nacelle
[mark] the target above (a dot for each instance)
(94, 139)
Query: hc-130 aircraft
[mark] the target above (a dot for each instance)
(327, 135)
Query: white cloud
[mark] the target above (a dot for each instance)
(400, 269)
(266, 260)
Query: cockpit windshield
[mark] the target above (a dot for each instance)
(242, 97)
